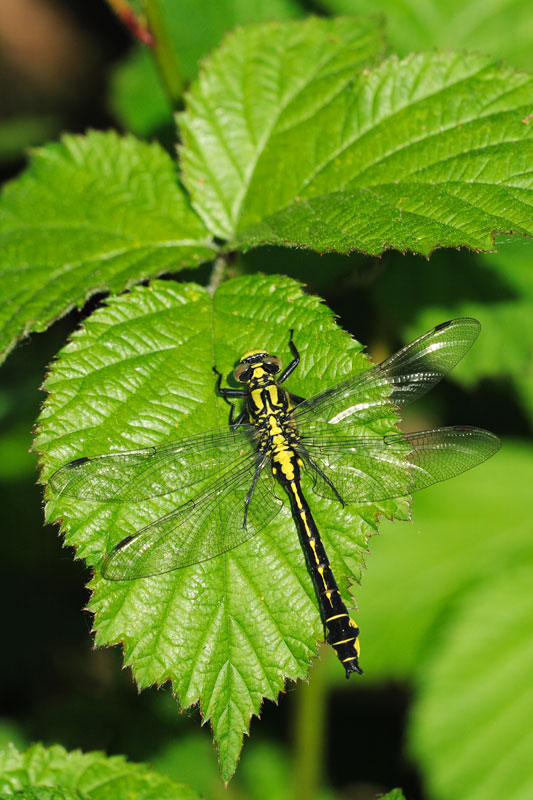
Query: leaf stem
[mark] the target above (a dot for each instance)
(309, 732)
(217, 275)
(164, 53)
(134, 22)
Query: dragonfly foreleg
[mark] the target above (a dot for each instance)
(225, 394)
(294, 363)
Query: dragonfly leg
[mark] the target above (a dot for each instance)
(296, 399)
(226, 393)
(294, 363)
(325, 477)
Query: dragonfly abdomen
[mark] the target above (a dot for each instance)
(342, 631)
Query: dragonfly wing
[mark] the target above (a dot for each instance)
(207, 526)
(399, 380)
(153, 471)
(369, 469)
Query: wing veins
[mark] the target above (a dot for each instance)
(211, 530)
(402, 378)
(398, 463)
(137, 475)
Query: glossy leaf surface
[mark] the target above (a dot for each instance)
(52, 773)
(91, 214)
(292, 138)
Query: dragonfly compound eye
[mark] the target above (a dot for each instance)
(242, 372)
(272, 364)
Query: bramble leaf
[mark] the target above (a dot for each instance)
(91, 214)
(288, 140)
(44, 793)
(262, 103)
(52, 773)
(229, 631)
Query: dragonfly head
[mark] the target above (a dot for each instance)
(255, 364)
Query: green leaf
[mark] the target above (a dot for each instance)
(301, 147)
(264, 84)
(396, 794)
(471, 727)
(503, 28)
(43, 793)
(137, 96)
(79, 775)
(91, 214)
(225, 632)
(496, 288)
(464, 532)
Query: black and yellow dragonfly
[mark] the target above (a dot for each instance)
(278, 435)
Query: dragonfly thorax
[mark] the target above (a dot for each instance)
(269, 411)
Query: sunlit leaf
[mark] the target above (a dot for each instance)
(52, 773)
(91, 214)
(43, 793)
(289, 141)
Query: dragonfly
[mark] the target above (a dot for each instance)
(277, 438)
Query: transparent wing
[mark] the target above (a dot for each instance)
(368, 469)
(136, 475)
(400, 379)
(206, 526)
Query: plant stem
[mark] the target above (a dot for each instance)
(309, 732)
(135, 23)
(217, 274)
(164, 53)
